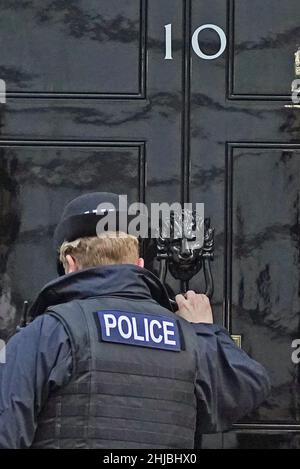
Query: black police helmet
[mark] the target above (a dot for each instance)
(80, 217)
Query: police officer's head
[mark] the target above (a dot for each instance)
(79, 243)
(104, 249)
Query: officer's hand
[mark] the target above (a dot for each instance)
(194, 308)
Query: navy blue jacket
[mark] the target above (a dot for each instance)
(39, 357)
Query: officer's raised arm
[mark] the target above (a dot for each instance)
(229, 383)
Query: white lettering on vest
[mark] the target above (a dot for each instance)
(110, 323)
(135, 331)
(168, 333)
(155, 339)
(129, 326)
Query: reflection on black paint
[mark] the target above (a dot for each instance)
(35, 183)
(82, 23)
(267, 48)
(53, 33)
(266, 243)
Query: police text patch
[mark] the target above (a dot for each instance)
(140, 329)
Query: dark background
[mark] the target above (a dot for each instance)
(93, 106)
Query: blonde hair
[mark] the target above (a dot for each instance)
(107, 248)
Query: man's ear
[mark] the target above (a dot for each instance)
(71, 264)
(140, 262)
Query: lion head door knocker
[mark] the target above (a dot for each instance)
(185, 246)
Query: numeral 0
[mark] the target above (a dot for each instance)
(195, 41)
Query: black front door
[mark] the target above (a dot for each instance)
(93, 104)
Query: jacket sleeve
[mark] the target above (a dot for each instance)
(38, 360)
(229, 384)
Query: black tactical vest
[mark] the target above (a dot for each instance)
(120, 396)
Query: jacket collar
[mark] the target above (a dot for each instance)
(122, 280)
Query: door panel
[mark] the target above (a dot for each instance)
(73, 47)
(36, 181)
(263, 41)
(263, 221)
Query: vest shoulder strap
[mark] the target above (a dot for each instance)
(72, 317)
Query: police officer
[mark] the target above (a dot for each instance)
(107, 364)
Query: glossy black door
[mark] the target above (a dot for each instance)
(93, 105)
